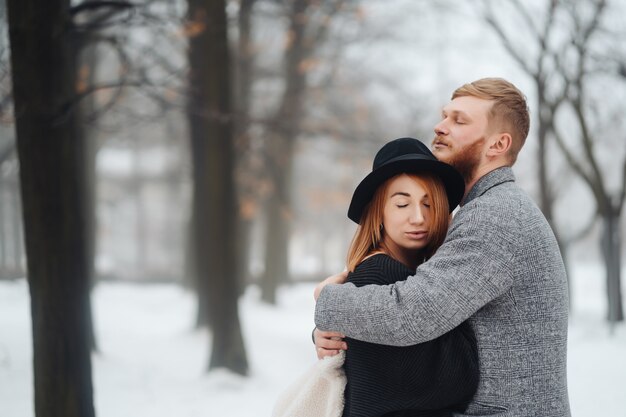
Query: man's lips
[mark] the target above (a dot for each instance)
(439, 144)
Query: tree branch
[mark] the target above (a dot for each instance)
(571, 159)
(576, 100)
(530, 21)
(106, 9)
(506, 41)
(622, 195)
(580, 234)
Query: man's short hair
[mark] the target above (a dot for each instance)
(509, 112)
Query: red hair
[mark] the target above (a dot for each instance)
(368, 236)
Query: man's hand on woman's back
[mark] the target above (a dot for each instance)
(328, 343)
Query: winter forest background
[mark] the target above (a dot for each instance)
(175, 176)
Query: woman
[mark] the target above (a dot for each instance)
(403, 210)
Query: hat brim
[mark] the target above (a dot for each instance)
(410, 163)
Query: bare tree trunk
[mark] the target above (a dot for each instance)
(4, 266)
(88, 59)
(281, 152)
(611, 249)
(91, 227)
(10, 217)
(18, 229)
(245, 184)
(141, 239)
(279, 217)
(198, 225)
(546, 197)
(51, 155)
(214, 203)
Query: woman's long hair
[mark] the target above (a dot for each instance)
(369, 234)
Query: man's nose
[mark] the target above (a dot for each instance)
(441, 128)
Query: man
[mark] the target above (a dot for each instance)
(500, 268)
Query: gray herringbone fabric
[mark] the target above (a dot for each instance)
(500, 266)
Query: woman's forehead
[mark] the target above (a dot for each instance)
(405, 184)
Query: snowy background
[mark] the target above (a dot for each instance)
(152, 362)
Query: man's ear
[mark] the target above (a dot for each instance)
(500, 145)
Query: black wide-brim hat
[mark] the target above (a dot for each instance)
(405, 155)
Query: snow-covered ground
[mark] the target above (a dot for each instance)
(152, 362)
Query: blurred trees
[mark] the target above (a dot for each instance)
(297, 87)
(586, 71)
(12, 261)
(131, 83)
(52, 172)
(280, 147)
(247, 196)
(573, 60)
(311, 49)
(304, 34)
(214, 211)
(539, 65)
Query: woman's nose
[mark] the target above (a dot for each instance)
(417, 216)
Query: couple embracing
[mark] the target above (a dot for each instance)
(442, 315)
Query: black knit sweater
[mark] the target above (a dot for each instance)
(431, 379)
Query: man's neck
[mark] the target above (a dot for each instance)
(481, 171)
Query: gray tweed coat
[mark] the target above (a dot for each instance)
(500, 267)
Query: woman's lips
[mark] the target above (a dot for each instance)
(417, 235)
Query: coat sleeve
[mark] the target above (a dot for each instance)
(468, 271)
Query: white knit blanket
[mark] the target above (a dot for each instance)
(317, 393)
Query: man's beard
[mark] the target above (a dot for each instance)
(467, 160)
